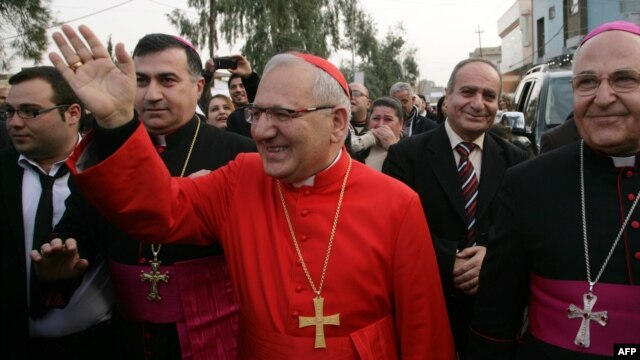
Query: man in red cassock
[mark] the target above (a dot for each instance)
(329, 258)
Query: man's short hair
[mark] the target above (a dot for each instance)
(464, 62)
(401, 86)
(154, 43)
(233, 76)
(63, 94)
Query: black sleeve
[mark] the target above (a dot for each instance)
(504, 285)
(108, 141)
(251, 83)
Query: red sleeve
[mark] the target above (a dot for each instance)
(134, 190)
(421, 314)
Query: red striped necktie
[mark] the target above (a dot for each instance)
(469, 185)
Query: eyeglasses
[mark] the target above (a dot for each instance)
(621, 81)
(252, 113)
(357, 93)
(7, 113)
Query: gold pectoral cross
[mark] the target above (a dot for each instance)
(153, 277)
(319, 320)
(583, 338)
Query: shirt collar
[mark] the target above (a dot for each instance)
(310, 181)
(27, 163)
(455, 139)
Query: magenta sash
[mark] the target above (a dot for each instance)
(548, 308)
(378, 341)
(199, 298)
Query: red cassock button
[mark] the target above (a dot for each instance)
(307, 192)
(304, 238)
(295, 314)
(635, 224)
(304, 212)
(298, 262)
(631, 197)
(637, 255)
(160, 149)
(629, 173)
(299, 288)
(142, 260)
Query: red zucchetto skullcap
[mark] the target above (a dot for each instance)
(327, 67)
(612, 26)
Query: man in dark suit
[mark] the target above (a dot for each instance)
(564, 134)
(414, 123)
(460, 212)
(44, 321)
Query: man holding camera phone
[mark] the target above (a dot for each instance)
(243, 85)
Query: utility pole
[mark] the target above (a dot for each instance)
(479, 38)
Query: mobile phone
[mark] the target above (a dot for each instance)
(225, 62)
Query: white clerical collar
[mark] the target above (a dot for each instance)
(455, 139)
(310, 181)
(161, 140)
(624, 161)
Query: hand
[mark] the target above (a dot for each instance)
(466, 269)
(58, 261)
(106, 89)
(209, 66)
(385, 136)
(198, 173)
(244, 67)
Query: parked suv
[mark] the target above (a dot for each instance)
(545, 97)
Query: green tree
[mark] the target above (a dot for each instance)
(201, 31)
(383, 62)
(23, 25)
(271, 26)
(266, 26)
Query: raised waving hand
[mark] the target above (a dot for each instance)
(105, 88)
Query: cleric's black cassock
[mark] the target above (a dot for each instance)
(213, 148)
(539, 232)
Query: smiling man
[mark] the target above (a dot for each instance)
(444, 167)
(153, 325)
(567, 243)
(316, 278)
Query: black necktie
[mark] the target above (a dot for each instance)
(41, 229)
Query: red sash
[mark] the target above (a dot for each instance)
(198, 297)
(378, 341)
(548, 320)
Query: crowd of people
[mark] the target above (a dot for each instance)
(301, 217)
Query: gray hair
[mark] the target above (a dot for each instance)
(401, 86)
(325, 89)
(464, 62)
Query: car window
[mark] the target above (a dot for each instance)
(559, 100)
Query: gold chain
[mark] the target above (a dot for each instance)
(333, 233)
(184, 168)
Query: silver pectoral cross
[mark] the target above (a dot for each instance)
(583, 338)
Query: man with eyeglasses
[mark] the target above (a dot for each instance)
(567, 239)
(316, 278)
(155, 285)
(44, 320)
(359, 138)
